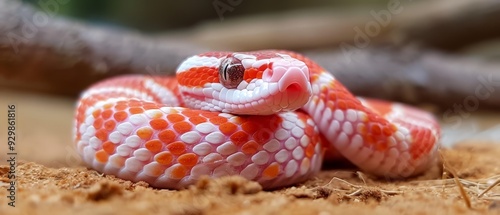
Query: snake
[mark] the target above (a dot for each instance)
(270, 116)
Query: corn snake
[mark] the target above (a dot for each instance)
(269, 116)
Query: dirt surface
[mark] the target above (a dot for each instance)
(51, 179)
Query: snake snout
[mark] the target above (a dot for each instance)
(294, 79)
(291, 76)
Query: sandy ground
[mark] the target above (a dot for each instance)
(51, 179)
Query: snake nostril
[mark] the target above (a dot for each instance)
(294, 87)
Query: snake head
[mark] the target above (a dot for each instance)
(254, 83)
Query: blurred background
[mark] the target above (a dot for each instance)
(458, 26)
(159, 16)
(429, 53)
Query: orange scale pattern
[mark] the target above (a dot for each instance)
(378, 129)
(254, 73)
(160, 136)
(198, 76)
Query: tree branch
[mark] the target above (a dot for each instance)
(63, 56)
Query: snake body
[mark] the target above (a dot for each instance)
(269, 116)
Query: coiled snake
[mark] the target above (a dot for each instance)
(269, 116)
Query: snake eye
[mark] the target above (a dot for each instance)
(231, 72)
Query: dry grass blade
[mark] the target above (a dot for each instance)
(497, 182)
(359, 188)
(361, 176)
(479, 187)
(461, 188)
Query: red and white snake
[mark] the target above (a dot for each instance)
(269, 116)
